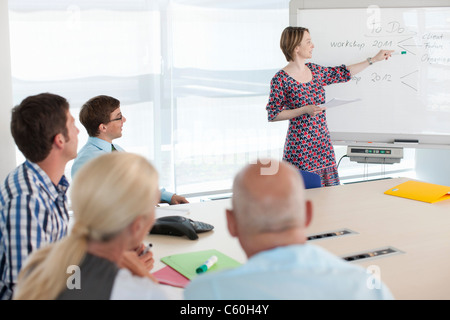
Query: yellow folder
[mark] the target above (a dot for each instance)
(421, 191)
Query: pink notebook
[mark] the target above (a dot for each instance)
(169, 276)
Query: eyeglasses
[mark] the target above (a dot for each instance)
(116, 119)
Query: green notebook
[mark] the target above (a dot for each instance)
(187, 263)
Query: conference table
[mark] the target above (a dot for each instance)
(404, 243)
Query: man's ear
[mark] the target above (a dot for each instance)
(231, 223)
(101, 127)
(59, 140)
(308, 212)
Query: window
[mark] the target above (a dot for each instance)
(192, 76)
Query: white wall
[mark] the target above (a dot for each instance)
(433, 166)
(7, 153)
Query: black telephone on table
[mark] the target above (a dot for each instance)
(179, 226)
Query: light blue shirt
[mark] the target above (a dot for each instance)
(292, 272)
(95, 147)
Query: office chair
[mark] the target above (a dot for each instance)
(311, 179)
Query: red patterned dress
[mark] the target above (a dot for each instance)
(308, 145)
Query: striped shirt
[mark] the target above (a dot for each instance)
(33, 212)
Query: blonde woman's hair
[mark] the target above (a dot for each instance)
(108, 194)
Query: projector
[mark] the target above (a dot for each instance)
(376, 155)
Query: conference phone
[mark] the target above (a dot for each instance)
(180, 226)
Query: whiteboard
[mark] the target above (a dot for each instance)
(405, 97)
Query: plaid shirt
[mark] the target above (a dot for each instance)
(33, 212)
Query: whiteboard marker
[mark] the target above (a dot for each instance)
(398, 53)
(146, 249)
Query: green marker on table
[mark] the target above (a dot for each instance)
(208, 264)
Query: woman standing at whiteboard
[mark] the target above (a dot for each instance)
(296, 93)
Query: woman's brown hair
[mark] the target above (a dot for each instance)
(291, 38)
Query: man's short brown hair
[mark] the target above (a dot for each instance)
(36, 121)
(96, 111)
